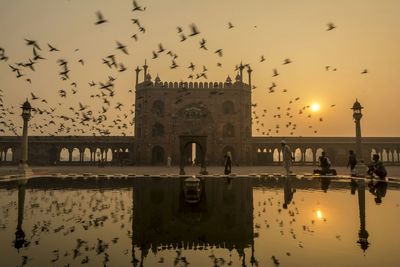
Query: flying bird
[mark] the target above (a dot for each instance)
(122, 47)
(287, 61)
(100, 18)
(194, 30)
(136, 6)
(52, 48)
(219, 52)
(331, 26)
(32, 43)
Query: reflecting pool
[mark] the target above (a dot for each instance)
(237, 222)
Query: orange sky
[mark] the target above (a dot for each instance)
(367, 37)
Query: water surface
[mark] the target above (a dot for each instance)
(238, 222)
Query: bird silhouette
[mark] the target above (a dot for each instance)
(100, 18)
(52, 48)
(194, 30)
(219, 52)
(122, 47)
(136, 6)
(331, 26)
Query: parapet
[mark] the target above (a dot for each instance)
(193, 85)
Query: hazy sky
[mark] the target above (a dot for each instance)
(367, 37)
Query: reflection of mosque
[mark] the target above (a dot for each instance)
(222, 219)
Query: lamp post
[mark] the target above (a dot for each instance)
(360, 168)
(26, 115)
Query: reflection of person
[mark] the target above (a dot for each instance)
(324, 162)
(325, 182)
(228, 163)
(378, 190)
(352, 160)
(287, 157)
(377, 168)
(288, 192)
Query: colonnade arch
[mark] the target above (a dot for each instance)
(92, 154)
(7, 154)
(308, 155)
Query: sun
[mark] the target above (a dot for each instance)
(315, 107)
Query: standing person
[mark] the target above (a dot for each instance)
(352, 160)
(228, 163)
(169, 161)
(287, 157)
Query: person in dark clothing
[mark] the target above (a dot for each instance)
(228, 163)
(377, 168)
(352, 160)
(324, 162)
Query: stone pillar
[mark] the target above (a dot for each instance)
(70, 154)
(80, 155)
(314, 157)
(279, 155)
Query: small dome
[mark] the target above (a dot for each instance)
(157, 80)
(228, 79)
(357, 105)
(237, 78)
(148, 77)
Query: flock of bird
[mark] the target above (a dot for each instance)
(81, 119)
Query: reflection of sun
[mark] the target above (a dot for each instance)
(315, 107)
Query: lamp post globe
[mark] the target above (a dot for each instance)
(357, 115)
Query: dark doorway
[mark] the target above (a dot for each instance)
(157, 155)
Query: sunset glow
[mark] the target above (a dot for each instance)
(315, 107)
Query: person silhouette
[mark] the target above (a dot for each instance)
(287, 157)
(377, 168)
(228, 163)
(352, 161)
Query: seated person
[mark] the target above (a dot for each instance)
(324, 163)
(376, 167)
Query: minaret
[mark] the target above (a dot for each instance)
(137, 74)
(241, 67)
(362, 234)
(145, 69)
(249, 70)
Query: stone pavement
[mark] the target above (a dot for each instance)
(393, 171)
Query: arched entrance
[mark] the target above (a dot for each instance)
(201, 142)
(157, 155)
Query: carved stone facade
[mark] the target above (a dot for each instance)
(165, 111)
